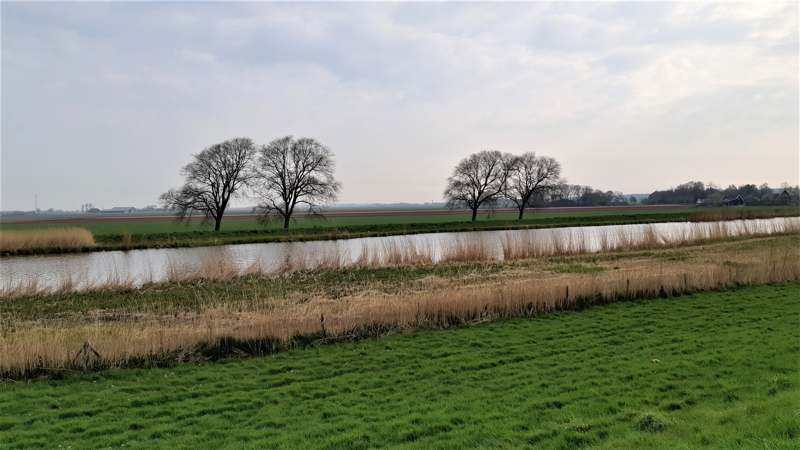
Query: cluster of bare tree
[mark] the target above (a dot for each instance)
(485, 178)
(579, 195)
(282, 175)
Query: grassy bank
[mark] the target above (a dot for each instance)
(713, 370)
(168, 323)
(165, 233)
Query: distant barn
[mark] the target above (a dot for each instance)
(784, 198)
(734, 201)
(119, 210)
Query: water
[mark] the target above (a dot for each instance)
(84, 270)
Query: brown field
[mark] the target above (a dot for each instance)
(85, 218)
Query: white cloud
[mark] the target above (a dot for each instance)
(694, 70)
(400, 92)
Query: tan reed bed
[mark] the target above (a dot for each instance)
(57, 238)
(213, 265)
(466, 249)
(258, 327)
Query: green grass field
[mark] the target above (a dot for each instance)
(102, 228)
(711, 370)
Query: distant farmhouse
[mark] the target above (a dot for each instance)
(733, 201)
(114, 210)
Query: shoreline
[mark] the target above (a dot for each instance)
(120, 242)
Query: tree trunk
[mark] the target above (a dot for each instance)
(286, 222)
(474, 214)
(521, 212)
(217, 223)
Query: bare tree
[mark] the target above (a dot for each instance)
(478, 180)
(295, 172)
(216, 174)
(531, 176)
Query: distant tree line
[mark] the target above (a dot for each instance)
(696, 192)
(578, 195)
(492, 179)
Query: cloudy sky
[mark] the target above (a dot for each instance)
(104, 103)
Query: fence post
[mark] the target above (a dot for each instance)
(86, 351)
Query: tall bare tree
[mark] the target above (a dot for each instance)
(214, 176)
(478, 180)
(294, 172)
(531, 176)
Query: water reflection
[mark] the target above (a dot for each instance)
(136, 267)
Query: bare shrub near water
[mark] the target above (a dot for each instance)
(58, 238)
(27, 350)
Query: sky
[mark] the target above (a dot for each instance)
(104, 103)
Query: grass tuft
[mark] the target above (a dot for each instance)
(651, 423)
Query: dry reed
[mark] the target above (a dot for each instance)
(57, 238)
(466, 249)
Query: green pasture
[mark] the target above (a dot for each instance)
(710, 370)
(232, 224)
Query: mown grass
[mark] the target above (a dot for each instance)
(120, 235)
(716, 370)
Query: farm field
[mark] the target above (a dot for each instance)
(144, 224)
(716, 370)
(146, 232)
(399, 226)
